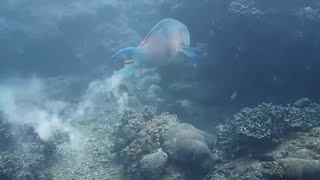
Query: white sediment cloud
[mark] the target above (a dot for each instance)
(26, 101)
(29, 101)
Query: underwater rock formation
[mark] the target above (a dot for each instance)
(305, 154)
(301, 168)
(295, 157)
(189, 147)
(187, 131)
(152, 144)
(139, 136)
(299, 156)
(302, 164)
(194, 155)
(247, 169)
(254, 129)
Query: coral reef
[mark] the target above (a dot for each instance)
(152, 165)
(247, 169)
(295, 157)
(26, 157)
(5, 135)
(244, 8)
(139, 136)
(255, 129)
(146, 141)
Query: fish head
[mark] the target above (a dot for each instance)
(177, 37)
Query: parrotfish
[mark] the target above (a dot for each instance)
(163, 43)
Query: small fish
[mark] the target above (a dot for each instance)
(303, 102)
(307, 68)
(275, 78)
(233, 96)
(175, 6)
(163, 43)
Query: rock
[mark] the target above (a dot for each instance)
(187, 147)
(315, 132)
(152, 165)
(187, 131)
(246, 169)
(139, 136)
(303, 102)
(306, 154)
(189, 152)
(301, 168)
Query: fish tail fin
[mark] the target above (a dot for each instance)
(194, 52)
(128, 51)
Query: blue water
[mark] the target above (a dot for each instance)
(63, 102)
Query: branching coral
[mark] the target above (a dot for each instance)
(264, 125)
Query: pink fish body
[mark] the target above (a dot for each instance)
(163, 43)
(165, 40)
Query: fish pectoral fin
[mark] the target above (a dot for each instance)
(192, 52)
(129, 61)
(129, 69)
